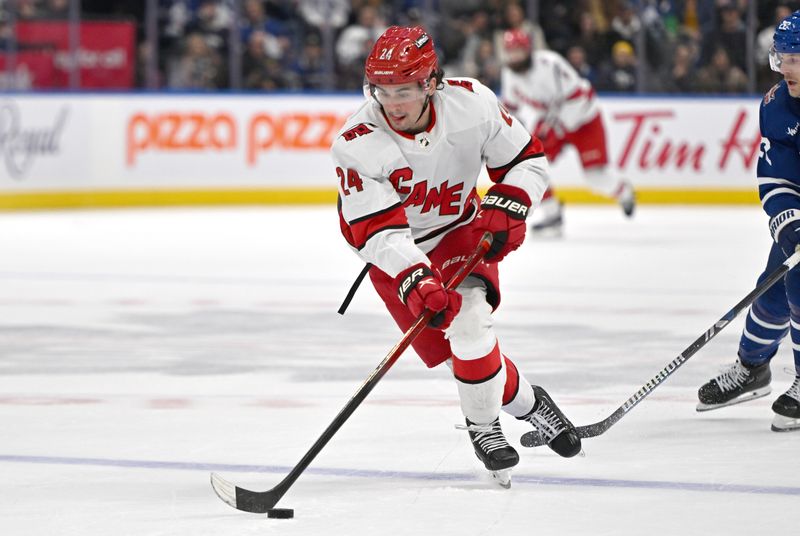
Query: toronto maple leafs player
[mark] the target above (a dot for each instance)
(407, 162)
(777, 311)
(560, 107)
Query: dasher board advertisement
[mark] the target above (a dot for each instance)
(275, 148)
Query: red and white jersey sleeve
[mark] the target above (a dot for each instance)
(371, 214)
(399, 194)
(551, 91)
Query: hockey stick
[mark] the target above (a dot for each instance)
(533, 439)
(262, 501)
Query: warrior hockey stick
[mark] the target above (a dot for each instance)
(534, 439)
(262, 501)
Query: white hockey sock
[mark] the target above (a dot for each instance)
(602, 182)
(477, 362)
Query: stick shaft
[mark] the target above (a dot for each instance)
(362, 392)
(533, 439)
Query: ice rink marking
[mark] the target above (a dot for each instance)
(407, 475)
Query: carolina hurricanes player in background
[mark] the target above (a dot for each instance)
(407, 162)
(545, 92)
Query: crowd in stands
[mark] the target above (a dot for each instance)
(657, 46)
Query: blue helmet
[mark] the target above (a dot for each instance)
(786, 40)
(787, 34)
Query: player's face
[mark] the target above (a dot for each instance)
(516, 55)
(518, 59)
(403, 103)
(790, 69)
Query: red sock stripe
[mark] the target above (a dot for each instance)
(512, 381)
(478, 370)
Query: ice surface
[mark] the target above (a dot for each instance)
(140, 350)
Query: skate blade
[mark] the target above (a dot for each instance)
(785, 424)
(747, 397)
(503, 478)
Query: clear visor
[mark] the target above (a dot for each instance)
(400, 94)
(777, 60)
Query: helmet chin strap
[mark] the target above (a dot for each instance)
(424, 107)
(427, 100)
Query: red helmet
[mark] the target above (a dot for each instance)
(516, 39)
(401, 55)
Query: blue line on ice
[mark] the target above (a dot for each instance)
(408, 475)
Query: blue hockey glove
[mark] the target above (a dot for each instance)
(785, 229)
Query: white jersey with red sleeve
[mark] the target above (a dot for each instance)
(399, 194)
(551, 91)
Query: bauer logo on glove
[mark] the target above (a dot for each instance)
(420, 287)
(503, 212)
(411, 280)
(515, 209)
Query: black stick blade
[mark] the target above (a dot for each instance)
(257, 502)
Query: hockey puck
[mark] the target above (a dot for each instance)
(280, 513)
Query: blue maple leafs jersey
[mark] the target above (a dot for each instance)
(779, 161)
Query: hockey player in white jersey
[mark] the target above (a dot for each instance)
(554, 102)
(407, 162)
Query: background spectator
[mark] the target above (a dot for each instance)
(576, 56)
(261, 65)
(320, 44)
(730, 35)
(721, 75)
(618, 74)
(354, 45)
(681, 75)
(514, 19)
(198, 67)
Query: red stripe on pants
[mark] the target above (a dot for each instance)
(478, 370)
(512, 381)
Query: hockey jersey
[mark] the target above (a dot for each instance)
(778, 167)
(399, 194)
(551, 91)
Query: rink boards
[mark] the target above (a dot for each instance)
(63, 150)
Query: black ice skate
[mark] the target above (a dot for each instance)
(738, 383)
(493, 450)
(787, 409)
(627, 199)
(552, 425)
